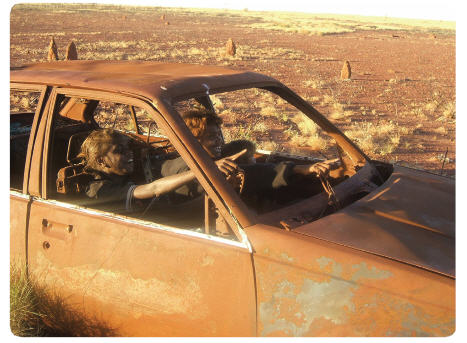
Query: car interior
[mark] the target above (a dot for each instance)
(75, 118)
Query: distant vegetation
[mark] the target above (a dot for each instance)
(316, 24)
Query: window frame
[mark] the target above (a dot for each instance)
(142, 103)
(44, 92)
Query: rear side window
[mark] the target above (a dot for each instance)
(23, 105)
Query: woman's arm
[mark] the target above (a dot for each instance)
(317, 169)
(163, 185)
(172, 182)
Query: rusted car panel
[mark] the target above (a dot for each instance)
(143, 279)
(153, 80)
(398, 220)
(19, 209)
(383, 265)
(310, 287)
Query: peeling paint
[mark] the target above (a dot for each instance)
(416, 323)
(363, 272)
(315, 300)
(323, 261)
(119, 287)
(207, 261)
(331, 300)
(286, 257)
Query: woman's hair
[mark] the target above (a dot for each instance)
(198, 120)
(97, 144)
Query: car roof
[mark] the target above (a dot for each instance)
(154, 80)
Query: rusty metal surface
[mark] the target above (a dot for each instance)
(309, 287)
(383, 266)
(18, 227)
(141, 280)
(153, 80)
(409, 218)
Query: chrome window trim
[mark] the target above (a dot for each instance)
(143, 223)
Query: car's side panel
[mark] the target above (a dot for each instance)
(309, 287)
(140, 279)
(18, 226)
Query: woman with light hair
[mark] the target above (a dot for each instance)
(109, 158)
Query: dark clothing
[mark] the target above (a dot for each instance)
(266, 176)
(262, 180)
(113, 193)
(110, 192)
(186, 192)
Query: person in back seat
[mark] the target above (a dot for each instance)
(109, 159)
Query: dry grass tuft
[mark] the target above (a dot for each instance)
(337, 110)
(441, 130)
(268, 146)
(239, 132)
(38, 312)
(308, 134)
(219, 106)
(314, 84)
(448, 110)
(377, 139)
(260, 127)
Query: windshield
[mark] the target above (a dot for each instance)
(289, 158)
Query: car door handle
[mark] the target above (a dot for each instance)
(56, 229)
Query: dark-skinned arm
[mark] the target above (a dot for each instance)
(172, 182)
(163, 185)
(317, 169)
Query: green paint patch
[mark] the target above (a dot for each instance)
(331, 300)
(364, 272)
(286, 257)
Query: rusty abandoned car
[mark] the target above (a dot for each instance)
(367, 250)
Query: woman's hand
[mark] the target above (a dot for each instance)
(233, 173)
(227, 165)
(318, 169)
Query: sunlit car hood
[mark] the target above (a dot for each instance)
(410, 218)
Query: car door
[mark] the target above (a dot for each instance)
(140, 277)
(26, 102)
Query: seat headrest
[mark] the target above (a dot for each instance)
(79, 109)
(74, 146)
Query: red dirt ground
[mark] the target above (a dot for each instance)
(393, 72)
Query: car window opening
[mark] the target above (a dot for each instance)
(23, 105)
(278, 139)
(277, 136)
(153, 157)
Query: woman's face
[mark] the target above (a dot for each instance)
(212, 140)
(119, 159)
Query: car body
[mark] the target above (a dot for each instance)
(382, 264)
